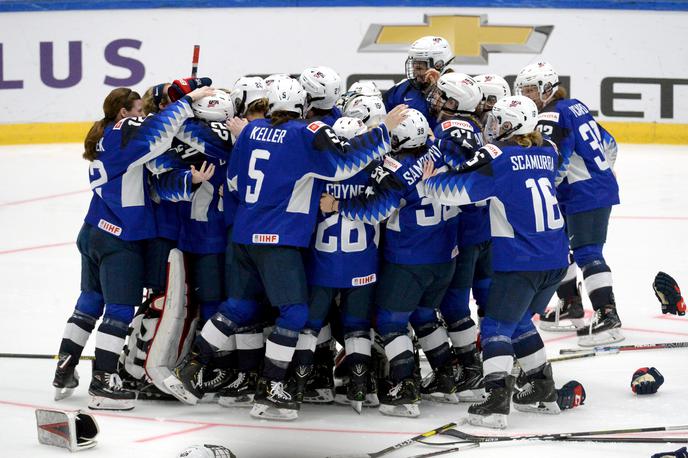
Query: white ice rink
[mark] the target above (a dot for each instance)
(43, 199)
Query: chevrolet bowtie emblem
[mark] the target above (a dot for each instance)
(471, 38)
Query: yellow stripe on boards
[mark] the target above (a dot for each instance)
(75, 132)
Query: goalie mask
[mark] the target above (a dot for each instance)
(206, 451)
(286, 95)
(494, 88)
(247, 89)
(537, 81)
(515, 115)
(348, 128)
(369, 109)
(459, 93)
(412, 132)
(427, 53)
(323, 87)
(217, 107)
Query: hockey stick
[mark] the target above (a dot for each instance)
(445, 451)
(399, 445)
(38, 356)
(635, 440)
(194, 60)
(618, 348)
(586, 354)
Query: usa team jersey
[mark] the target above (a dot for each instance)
(343, 253)
(589, 181)
(200, 207)
(276, 172)
(527, 224)
(330, 118)
(467, 135)
(404, 92)
(418, 230)
(120, 204)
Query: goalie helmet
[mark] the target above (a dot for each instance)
(247, 89)
(323, 87)
(462, 89)
(541, 75)
(435, 52)
(274, 77)
(206, 451)
(348, 128)
(412, 132)
(216, 107)
(515, 115)
(286, 95)
(494, 88)
(369, 109)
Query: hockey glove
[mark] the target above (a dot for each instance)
(571, 395)
(680, 453)
(646, 380)
(669, 294)
(181, 87)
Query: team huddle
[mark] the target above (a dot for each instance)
(270, 222)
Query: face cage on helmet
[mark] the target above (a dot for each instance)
(411, 74)
(541, 90)
(492, 127)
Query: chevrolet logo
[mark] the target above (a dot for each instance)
(469, 36)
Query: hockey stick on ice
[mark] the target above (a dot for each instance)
(39, 356)
(619, 348)
(399, 445)
(446, 450)
(194, 60)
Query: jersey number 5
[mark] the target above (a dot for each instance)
(542, 188)
(252, 194)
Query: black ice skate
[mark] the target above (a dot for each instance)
(319, 387)
(604, 328)
(440, 386)
(493, 411)
(214, 380)
(567, 309)
(107, 393)
(469, 385)
(400, 400)
(66, 377)
(186, 380)
(357, 388)
(344, 393)
(240, 390)
(274, 400)
(538, 395)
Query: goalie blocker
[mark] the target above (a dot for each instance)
(74, 431)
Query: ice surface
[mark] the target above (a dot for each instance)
(44, 196)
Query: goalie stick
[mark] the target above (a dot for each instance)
(40, 356)
(194, 60)
(392, 448)
(620, 348)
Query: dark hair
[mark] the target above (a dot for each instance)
(153, 97)
(116, 100)
(280, 117)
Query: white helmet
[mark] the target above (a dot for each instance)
(349, 127)
(412, 132)
(369, 109)
(463, 89)
(217, 107)
(247, 89)
(206, 451)
(274, 77)
(494, 87)
(514, 115)
(540, 74)
(323, 85)
(357, 89)
(286, 95)
(435, 51)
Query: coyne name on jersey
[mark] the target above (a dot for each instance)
(528, 162)
(345, 190)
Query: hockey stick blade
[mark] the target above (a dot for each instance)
(446, 451)
(40, 356)
(392, 448)
(618, 348)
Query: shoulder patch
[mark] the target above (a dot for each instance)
(315, 126)
(118, 126)
(552, 116)
(492, 150)
(391, 164)
(464, 125)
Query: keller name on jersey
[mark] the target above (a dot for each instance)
(345, 190)
(415, 170)
(268, 134)
(529, 162)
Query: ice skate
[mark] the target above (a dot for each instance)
(401, 400)
(240, 391)
(66, 377)
(319, 387)
(469, 385)
(107, 393)
(186, 380)
(440, 386)
(567, 315)
(274, 400)
(604, 328)
(493, 411)
(538, 395)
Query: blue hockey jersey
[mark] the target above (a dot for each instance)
(404, 92)
(466, 134)
(527, 225)
(276, 173)
(589, 183)
(121, 204)
(418, 230)
(343, 253)
(330, 118)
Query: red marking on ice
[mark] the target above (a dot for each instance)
(48, 197)
(36, 247)
(672, 318)
(176, 433)
(654, 331)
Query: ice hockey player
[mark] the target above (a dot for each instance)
(586, 195)
(529, 250)
(323, 87)
(494, 88)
